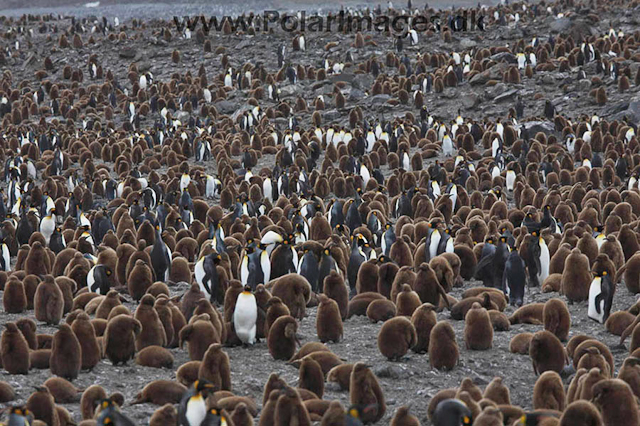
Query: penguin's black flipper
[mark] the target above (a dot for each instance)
(599, 298)
(485, 261)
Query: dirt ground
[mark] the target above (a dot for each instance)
(410, 381)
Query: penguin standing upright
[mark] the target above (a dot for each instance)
(308, 267)
(5, 259)
(193, 406)
(98, 279)
(20, 416)
(48, 225)
(538, 262)
(388, 238)
(207, 275)
(160, 257)
(356, 260)
(600, 297)
(514, 278)
(245, 316)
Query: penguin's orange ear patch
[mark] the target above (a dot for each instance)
(604, 272)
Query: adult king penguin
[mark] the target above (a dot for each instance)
(245, 316)
(193, 407)
(601, 297)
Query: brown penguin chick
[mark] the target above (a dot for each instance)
(215, 367)
(66, 355)
(423, 320)
(295, 291)
(519, 344)
(311, 377)
(190, 299)
(119, 339)
(163, 309)
(616, 402)
(43, 407)
(499, 321)
(40, 359)
(403, 417)
(427, 285)
(576, 277)
(556, 318)
(468, 386)
(160, 392)
(407, 301)
(443, 348)
(444, 272)
(275, 310)
(400, 253)
(328, 320)
(360, 303)
(155, 357)
(269, 408)
(471, 403)
(583, 348)
(381, 310)
(365, 391)
(459, 309)
(152, 333)
(37, 261)
(63, 392)
(90, 399)
(478, 330)
(282, 339)
(187, 373)
(335, 288)
(290, 409)
(581, 413)
(405, 275)
(199, 335)
(139, 280)
(165, 415)
(7, 393)
(548, 392)
(546, 352)
(490, 416)
(618, 322)
(528, 314)
(14, 350)
(14, 298)
(241, 415)
(630, 373)
(594, 359)
(27, 327)
(86, 334)
(497, 392)
(367, 278)
(49, 302)
(396, 337)
(340, 374)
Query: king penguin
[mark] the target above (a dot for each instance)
(539, 259)
(5, 260)
(600, 297)
(193, 406)
(514, 278)
(110, 414)
(388, 238)
(98, 279)
(245, 316)
(308, 267)
(207, 275)
(160, 257)
(48, 225)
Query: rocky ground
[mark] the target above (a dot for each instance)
(410, 381)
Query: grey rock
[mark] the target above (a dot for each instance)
(480, 78)
(183, 116)
(246, 42)
(225, 106)
(548, 79)
(127, 53)
(470, 100)
(143, 66)
(389, 371)
(341, 77)
(380, 99)
(362, 81)
(560, 25)
(356, 94)
(545, 127)
(506, 95)
(331, 115)
(31, 60)
(467, 43)
(504, 56)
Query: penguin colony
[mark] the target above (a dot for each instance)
(151, 233)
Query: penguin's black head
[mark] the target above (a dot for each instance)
(202, 385)
(247, 289)
(503, 239)
(547, 207)
(20, 411)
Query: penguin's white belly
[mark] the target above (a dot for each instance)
(91, 280)
(196, 410)
(544, 263)
(433, 247)
(199, 273)
(594, 291)
(244, 318)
